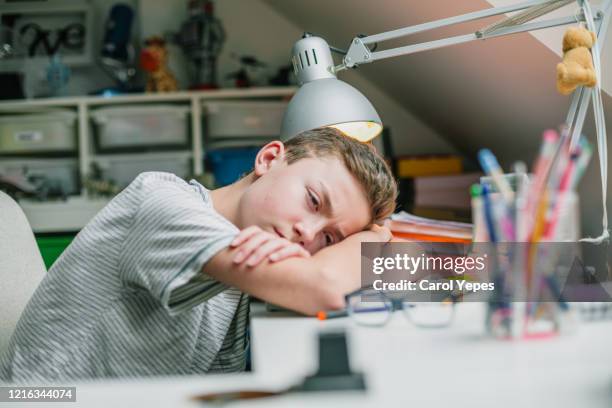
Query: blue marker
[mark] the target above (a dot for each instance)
(488, 213)
(498, 302)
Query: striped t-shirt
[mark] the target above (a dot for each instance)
(128, 297)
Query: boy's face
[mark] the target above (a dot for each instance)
(313, 202)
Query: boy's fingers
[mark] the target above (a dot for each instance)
(387, 235)
(245, 234)
(289, 251)
(383, 232)
(266, 249)
(246, 248)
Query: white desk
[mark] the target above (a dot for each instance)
(404, 366)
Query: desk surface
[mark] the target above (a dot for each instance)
(403, 365)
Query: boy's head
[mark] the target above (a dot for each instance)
(317, 188)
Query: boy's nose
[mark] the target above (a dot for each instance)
(305, 233)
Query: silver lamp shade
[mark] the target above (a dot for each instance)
(323, 100)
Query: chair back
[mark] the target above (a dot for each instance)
(21, 266)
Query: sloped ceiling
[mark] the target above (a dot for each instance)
(499, 93)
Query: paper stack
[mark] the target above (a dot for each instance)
(405, 226)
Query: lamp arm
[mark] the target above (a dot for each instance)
(358, 52)
(432, 25)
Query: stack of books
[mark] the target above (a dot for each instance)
(435, 187)
(444, 197)
(419, 166)
(408, 227)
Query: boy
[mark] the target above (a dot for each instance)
(156, 283)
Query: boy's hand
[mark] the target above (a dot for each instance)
(384, 233)
(254, 245)
(374, 233)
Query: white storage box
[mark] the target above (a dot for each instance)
(244, 119)
(41, 132)
(123, 169)
(62, 173)
(141, 126)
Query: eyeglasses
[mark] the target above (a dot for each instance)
(368, 307)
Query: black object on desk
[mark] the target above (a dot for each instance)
(334, 369)
(334, 375)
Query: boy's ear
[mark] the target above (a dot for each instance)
(271, 154)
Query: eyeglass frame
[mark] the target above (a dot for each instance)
(396, 304)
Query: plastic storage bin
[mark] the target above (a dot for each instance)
(244, 119)
(41, 132)
(144, 126)
(124, 169)
(61, 173)
(229, 164)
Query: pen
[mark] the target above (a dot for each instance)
(541, 168)
(499, 303)
(491, 166)
(332, 314)
(586, 151)
(519, 292)
(479, 231)
(522, 185)
(486, 200)
(504, 215)
(547, 151)
(561, 197)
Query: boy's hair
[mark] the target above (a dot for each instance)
(361, 159)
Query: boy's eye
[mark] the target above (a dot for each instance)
(329, 239)
(314, 200)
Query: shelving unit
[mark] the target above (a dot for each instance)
(71, 215)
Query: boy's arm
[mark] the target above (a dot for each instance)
(306, 285)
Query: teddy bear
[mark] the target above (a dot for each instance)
(153, 59)
(577, 66)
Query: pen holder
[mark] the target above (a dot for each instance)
(568, 216)
(530, 299)
(529, 277)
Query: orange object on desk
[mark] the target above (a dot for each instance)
(412, 237)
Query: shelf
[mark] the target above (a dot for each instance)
(182, 96)
(28, 156)
(149, 153)
(65, 216)
(73, 214)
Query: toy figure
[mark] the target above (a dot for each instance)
(201, 38)
(154, 59)
(577, 66)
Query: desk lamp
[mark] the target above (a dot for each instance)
(323, 100)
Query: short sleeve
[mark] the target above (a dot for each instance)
(174, 232)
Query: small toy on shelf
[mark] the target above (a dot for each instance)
(154, 59)
(97, 185)
(577, 66)
(117, 56)
(249, 67)
(201, 37)
(284, 77)
(58, 75)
